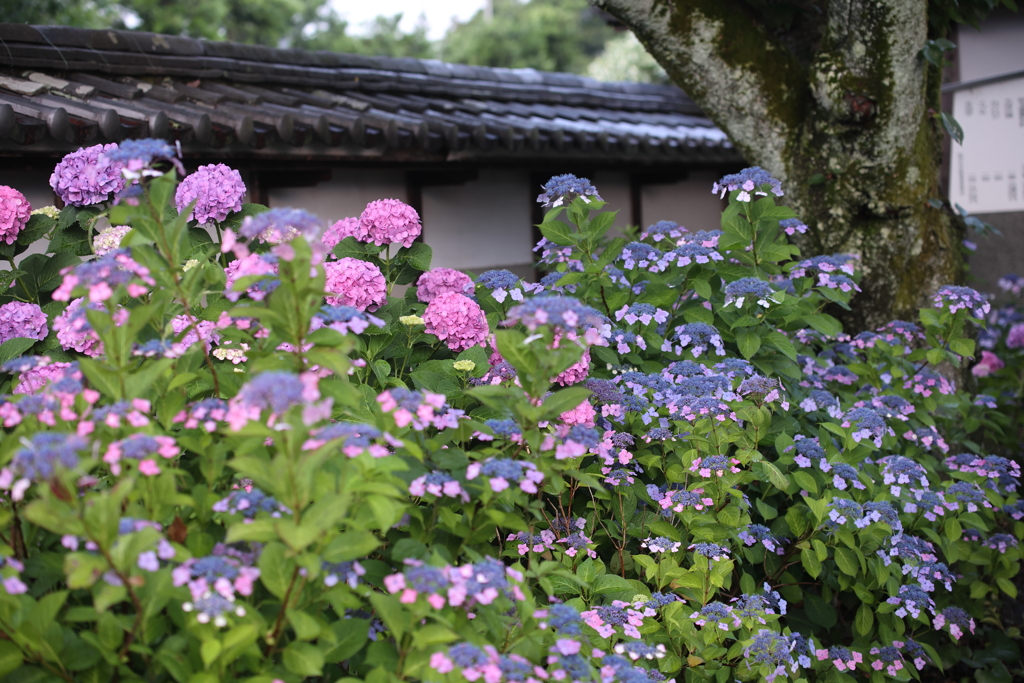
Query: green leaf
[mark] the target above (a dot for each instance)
(826, 324)
(303, 659)
(12, 348)
(810, 561)
(558, 233)
(234, 220)
(10, 657)
(748, 341)
(306, 627)
(274, 569)
(564, 400)
(952, 127)
(962, 347)
(209, 650)
(777, 478)
(350, 636)
(350, 545)
(418, 256)
(819, 611)
(391, 612)
(846, 559)
(864, 620)
(1007, 587)
(434, 634)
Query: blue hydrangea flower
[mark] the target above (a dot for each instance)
(753, 179)
(47, 452)
(563, 189)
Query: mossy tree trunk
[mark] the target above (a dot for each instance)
(839, 105)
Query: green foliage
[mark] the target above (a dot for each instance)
(550, 35)
(369, 500)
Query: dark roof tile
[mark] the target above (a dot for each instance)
(225, 95)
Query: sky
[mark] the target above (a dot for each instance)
(439, 13)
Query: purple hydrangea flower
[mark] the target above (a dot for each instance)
(281, 225)
(21, 319)
(216, 189)
(87, 176)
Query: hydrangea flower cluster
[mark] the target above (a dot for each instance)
(561, 312)
(109, 239)
(249, 502)
(749, 288)
(663, 230)
(21, 319)
(502, 283)
(15, 211)
(144, 449)
(419, 409)
(438, 281)
(699, 336)
(438, 484)
(87, 176)
(456, 320)
(217, 191)
(354, 282)
(389, 221)
(563, 189)
(281, 225)
(748, 180)
(339, 230)
(954, 298)
(605, 619)
(501, 473)
(465, 586)
(346, 319)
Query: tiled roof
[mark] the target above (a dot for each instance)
(61, 88)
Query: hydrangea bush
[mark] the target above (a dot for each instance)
(233, 451)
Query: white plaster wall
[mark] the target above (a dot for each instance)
(346, 194)
(613, 186)
(35, 185)
(689, 203)
(481, 224)
(993, 50)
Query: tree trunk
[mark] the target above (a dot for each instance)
(840, 107)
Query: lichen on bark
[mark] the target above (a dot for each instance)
(846, 125)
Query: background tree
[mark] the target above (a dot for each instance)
(836, 99)
(552, 35)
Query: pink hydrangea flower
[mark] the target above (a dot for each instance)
(457, 320)
(14, 213)
(252, 264)
(109, 239)
(389, 221)
(204, 329)
(217, 190)
(20, 319)
(437, 281)
(31, 381)
(578, 371)
(75, 332)
(356, 283)
(988, 364)
(583, 414)
(346, 227)
(87, 176)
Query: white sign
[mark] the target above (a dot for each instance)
(986, 173)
